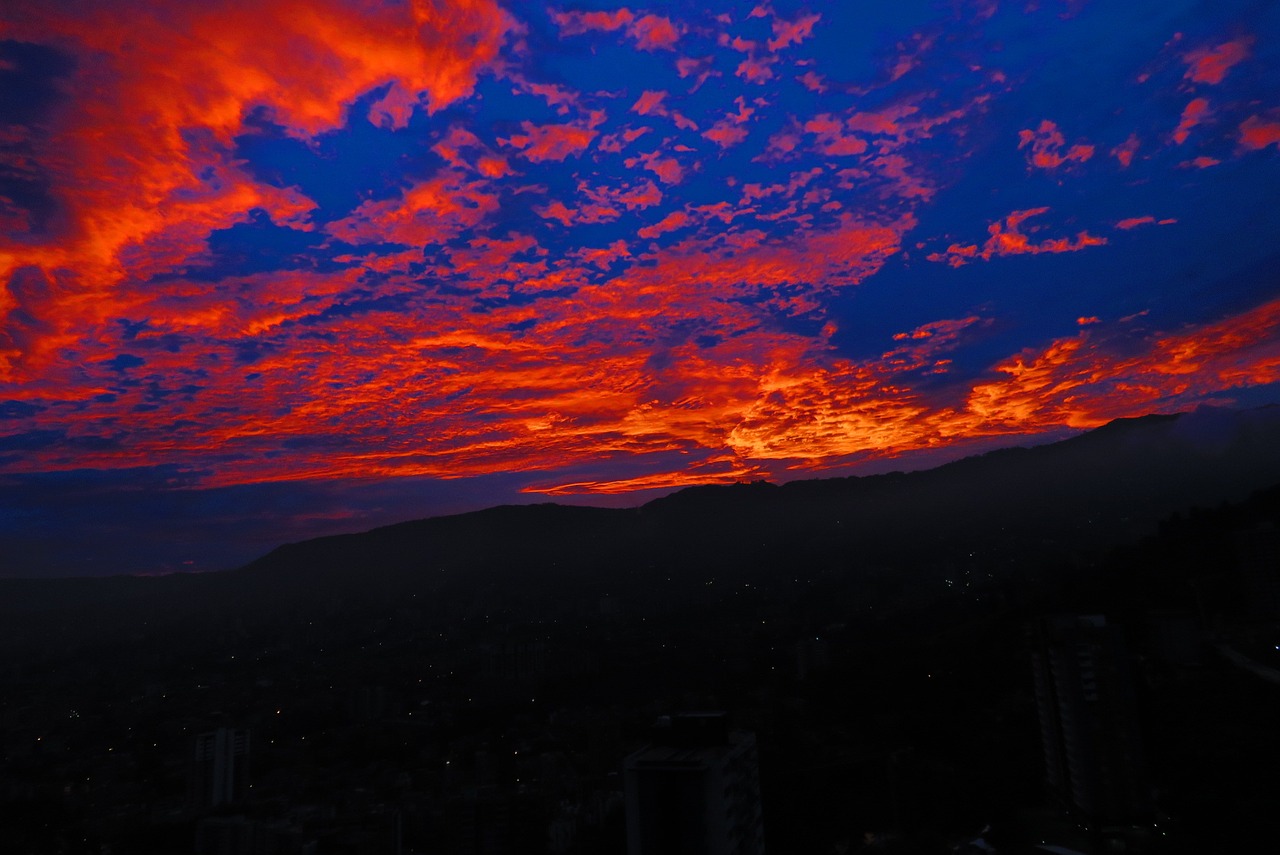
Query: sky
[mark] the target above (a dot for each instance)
(279, 269)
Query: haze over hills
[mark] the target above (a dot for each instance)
(1011, 508)
(1088, 492)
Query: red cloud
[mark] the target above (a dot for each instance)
(650, 104)
(1210, 65)
(1007, 239)
(1134, 222)
(651, 32)
(725, 134)
(138, 159)
(615, 143)
(576, 23)
(551, 142)
(1257, 133)
(786, 33)
(1047, 145)
(560, 98)
(831, 138)
(813, 82)
(432, 211)
(1192, 115)
(603, 203)
(1126, 150)
(669, 223)
(668, 169)
(606, 256)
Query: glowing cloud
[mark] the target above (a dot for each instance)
(1257, 133)
(1008, 239)
(1210, 65)
(613, 250)
(1193, 114)
(1047, 144)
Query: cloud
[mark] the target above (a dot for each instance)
(1257, 133)
(1048, 147)
(668, 169)
(1126, 150)
(1210, 65)
(653, 32)
(551, 142)
(246, 281)
(1008, 239)
(575, 23)
(432, 211)
(1193, 114)
(650, 32)
(140, 162)
(1084, 382)
(650, 103)
(669, 223)
(787, 33)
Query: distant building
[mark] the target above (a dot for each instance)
(695, 790)
(1088, 720)
(220, 771)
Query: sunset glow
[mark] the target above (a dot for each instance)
(600, 250)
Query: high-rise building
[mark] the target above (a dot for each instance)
(695, 790)
(1088, 720)
(220, 772)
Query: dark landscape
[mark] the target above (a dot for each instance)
(586, 427)
(474, 683)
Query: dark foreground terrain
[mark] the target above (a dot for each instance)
(472, 684)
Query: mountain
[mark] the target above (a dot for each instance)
(1013, 510)
(1103, 487)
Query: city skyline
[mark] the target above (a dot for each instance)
(280, 270)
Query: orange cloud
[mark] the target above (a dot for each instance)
(1008, 239)
(432, 211)
(140, 159)
(1078, 382)
(550, 142)
(669, 223)
(1047, 144)
(717, 470)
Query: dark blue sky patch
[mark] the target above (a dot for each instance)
(20, 409)
(123, 362)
